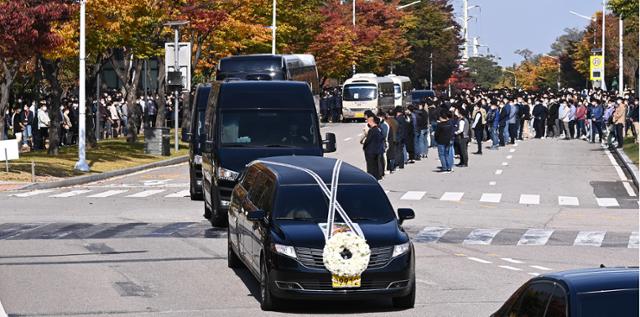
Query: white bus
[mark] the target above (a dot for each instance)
(402, 90)
(365, 92)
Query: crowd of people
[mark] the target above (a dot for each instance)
(30, 121)
(500, 117)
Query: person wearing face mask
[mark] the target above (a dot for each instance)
(26, 119)
(462, 137)
(43, 124)
(373, 147)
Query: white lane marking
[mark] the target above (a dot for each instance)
(412, 195)
(3, 313)
(71, 193)
(481, 236)
(509, 157)
(32, 193)
(491, 198)
(529, 199)
(479, 260)
(535, 237)
(512, 150)
(629, 189)
(633, 240)
(510, 260)
(534, 274)
(146, 193)
(108, 193)
(541, 268)
(568, 201)
(180, 194)
(431, 234)
(348, 139)
(505, 164)
(492, 183)
(452, 196)
(510, 268)
(607, 202)
(589, 238)
(156, 182)
(498, 172)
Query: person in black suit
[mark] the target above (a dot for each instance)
(540, 113)
(373, 147)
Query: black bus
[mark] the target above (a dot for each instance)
(299, 67)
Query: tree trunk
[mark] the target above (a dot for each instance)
(9, 72)
(162, 95)
(51, 69)
(135, 116)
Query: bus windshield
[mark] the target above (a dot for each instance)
(397, 90)
(245, 65)
(286, 128)
(359, 92)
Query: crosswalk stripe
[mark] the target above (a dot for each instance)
(479, 260)
(481, 236)
(535, 237)
(529, 199)
(452, 196)
(431, 234)
(509, 157)
(633, 240)
(505, 163)
(32, 193)
(108, 193)
(607, 202)
(510, 260)
(510, 268)
(589, 238)
(180, 194)
(71, 193)
(498, 172)
(146, 193)
(412, 195)
(512, 150)
(568, 201)
(542, 268)
(491, 198)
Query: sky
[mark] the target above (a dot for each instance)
(508, 25)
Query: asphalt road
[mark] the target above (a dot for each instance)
(137, 246)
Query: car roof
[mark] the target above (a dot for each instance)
(320, 165)
(597, 279)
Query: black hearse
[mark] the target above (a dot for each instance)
(196, 138)
(274, 230)
(247, 120)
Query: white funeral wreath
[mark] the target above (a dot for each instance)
(346, 254)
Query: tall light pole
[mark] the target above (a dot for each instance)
(81, 164)
(176, 68)
(465, 27)
(621, 57)
(604, 54)
(353, 21)
(273, 29)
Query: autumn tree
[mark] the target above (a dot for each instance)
(484, 71)
(628, 11)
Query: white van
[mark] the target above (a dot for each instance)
(402, 90)
(365, 92)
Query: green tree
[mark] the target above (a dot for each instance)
(484, 71)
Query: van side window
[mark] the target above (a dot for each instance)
(210, 115)
(266, 200)
(257, 189)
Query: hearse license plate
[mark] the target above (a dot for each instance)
(345, 282)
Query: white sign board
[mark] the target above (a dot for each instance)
(11, 148)
(184, 55)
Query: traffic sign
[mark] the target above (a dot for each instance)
(596, 66)
(184, 56)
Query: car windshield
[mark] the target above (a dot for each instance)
(250, 65)
(359, 92)
(307, 202)
(619, 303)
(283, 128)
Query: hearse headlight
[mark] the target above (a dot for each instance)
(400, 249)
(197, 159)
(285, 250)
(226, 174)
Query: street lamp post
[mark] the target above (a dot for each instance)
(620, 57)
(176, 67)
(81, 164)
(604, 54)
(273, 29)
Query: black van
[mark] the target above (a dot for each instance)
(196, 138)
(247, 120)
(275, 231)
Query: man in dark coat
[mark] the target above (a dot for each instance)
(373, 147)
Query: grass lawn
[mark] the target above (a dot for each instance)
(112, 154)
(631, 149)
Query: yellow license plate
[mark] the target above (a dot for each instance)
(359, 115)
(345, 282)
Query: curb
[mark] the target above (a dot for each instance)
(79, 180)
(631, 168)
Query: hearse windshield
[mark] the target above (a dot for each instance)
(269, 128)
(359, 92)
(308, 203)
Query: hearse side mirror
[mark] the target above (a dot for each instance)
(329, 143)
(255, 215)
(208, 146)
(405, 214)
